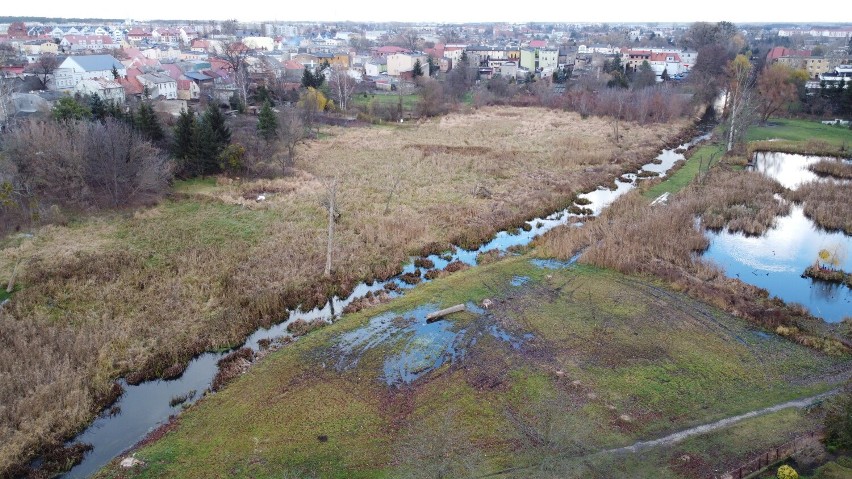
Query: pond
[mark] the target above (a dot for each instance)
(775, 260)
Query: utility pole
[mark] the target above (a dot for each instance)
(332, 191)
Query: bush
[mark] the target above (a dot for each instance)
(787, 472)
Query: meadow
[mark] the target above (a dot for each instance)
(137, 293)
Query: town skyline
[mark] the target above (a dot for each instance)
(443, 11)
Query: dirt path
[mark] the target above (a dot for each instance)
(705, 428)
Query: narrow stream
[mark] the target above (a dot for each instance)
(144, 407)
(775, 260)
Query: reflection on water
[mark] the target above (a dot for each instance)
(776, 260)
(788, 169)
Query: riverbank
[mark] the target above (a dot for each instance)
(383, 394)
(805, 137)
(143, 293)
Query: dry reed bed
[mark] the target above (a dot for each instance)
(661, 241)
(834, 168)
(141, 294)
(827, 203)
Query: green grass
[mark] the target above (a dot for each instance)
(409, 102)
(195, 185)
(4, 295)
(687, 172)
(658, 357)
(800, 131)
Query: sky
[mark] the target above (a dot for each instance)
(448, 11)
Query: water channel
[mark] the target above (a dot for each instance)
(144, 407)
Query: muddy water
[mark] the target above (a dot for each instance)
(145, 406)
(775, 261)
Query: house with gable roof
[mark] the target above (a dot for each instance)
(75, 69)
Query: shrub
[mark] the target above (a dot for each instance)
(787, 472)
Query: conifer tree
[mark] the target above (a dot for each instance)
(267, 123)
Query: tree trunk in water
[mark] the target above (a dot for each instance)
(331, 193)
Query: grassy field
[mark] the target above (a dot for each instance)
(142, 291)
(700, 159)
(409, 102)
(800, 131)
(568, 362)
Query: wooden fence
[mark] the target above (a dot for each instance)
(772, 456)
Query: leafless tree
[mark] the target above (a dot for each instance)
(291, 133)
(45, 66)
(342, 86)
(332, 193)
(7, 87)
(432, 101)
(236, 55)
(409, 39)
(121, 166)
(740, 88)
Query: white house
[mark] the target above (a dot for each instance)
(159, 85)
(75, 69)
(670, 62)
(75, 43)
(108, 90)
(404, 62)
(259, 43)
(376, 66)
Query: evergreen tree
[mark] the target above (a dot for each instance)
(148, 123)
(417, 70)
(67, 108)
(267, 123)
(115, 74)
(665, 75)
(222, 134)
(307, 79)
(645, 77)
(205, 148)
(183, 145)
(432, 66)
(97, 107)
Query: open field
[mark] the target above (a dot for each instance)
(800, 136)
(569, 361)
(409, 101)
(140, 292)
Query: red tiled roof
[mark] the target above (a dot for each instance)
(184, 84)
(778, 52)
(661, 57)
(388, 49)
(172, 70)
(131, 85)
(293, 65)
(538, 44)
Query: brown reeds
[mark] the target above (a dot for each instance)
(141, 293)
(826, 203)
(834, 168)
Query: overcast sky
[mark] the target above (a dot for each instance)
(450, 11)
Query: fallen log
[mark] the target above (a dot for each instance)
(432, 317)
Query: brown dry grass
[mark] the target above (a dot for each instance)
(835, 168)
(826, 203)
(144, 292)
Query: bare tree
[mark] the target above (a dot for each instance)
(236, 55)
(291, 133)
(45, 66)
(409, 39)
(342, 87)
(7, 87)
(120, 165)
(739, 97)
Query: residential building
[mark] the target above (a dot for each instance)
(76, 43)
(376, 66)
(399, 63)
(108, 90)
(543, 60)
(159, 85)
(75, 69)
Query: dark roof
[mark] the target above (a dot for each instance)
(197, 76)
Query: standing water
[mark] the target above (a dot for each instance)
(144, 407)
(775, 260)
